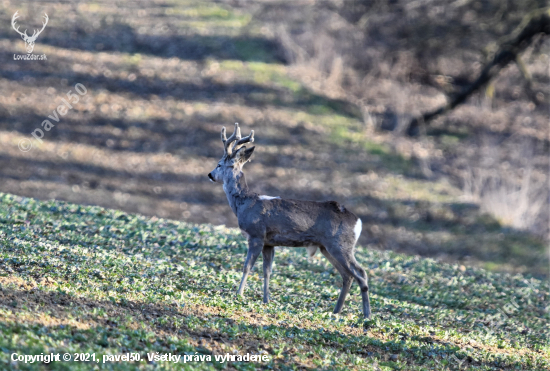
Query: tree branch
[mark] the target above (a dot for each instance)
(509, 49)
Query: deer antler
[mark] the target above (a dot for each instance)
(226, 142)
(15, 16)
(241, 142)
(232, 138)
(236, 136)
(36, 33)
(24, 35)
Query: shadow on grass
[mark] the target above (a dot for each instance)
(465, 233)
(98, 177)
(208, 90)
(108, 330)
(122, 38)
(193, 135)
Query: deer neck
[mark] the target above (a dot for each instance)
(236, 191)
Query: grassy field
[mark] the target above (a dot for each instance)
(146, 133)
(82, 279)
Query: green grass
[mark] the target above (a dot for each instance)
(203, 15)
(83, 279)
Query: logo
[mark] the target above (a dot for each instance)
(29, 40)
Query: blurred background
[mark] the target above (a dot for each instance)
(329, 88)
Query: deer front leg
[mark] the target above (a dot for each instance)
(254, 248)
(268, 254)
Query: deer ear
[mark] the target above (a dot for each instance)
(244, 154)
(248, 153)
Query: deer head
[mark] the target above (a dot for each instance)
(234, 157)
(29, 40)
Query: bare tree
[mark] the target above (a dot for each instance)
(508, 51)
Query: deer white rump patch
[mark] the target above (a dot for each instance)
(357, 229)
(263, 197)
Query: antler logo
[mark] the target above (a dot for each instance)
(29, 40)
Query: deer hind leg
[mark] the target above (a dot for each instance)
(361, 277)
(254, 249)
(347, 279)
(348, 262)
(268, 253)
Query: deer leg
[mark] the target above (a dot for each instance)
(349, 263)
(268, 253)
(361, 277)
(347, 279)
(254, 249)
(346, 285)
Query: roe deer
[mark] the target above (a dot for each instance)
(273, 221)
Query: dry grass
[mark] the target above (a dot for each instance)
(519, 207)
(515, 197)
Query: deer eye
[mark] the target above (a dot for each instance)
(219, 165)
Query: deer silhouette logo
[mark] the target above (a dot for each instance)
(29, 40)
